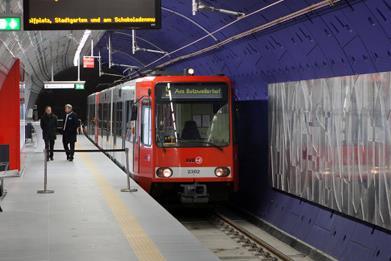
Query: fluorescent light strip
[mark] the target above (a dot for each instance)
(82, 43)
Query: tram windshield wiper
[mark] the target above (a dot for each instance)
(209, 143)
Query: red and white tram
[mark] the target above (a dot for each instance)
(178, 130)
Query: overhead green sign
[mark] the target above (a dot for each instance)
(10, 24)
(79, 86)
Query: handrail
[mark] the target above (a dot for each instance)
(45, 189)
(98, 150)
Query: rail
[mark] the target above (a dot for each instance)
(255, 243)
(128, 188)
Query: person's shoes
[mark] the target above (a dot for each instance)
(51, 158)
(70, 159)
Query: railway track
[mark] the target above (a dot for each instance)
(246, 239)
(228, 239)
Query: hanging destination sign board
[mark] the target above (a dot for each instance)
(91, 14)
(61, 85)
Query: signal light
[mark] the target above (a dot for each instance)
(222, 172)
(164, 172)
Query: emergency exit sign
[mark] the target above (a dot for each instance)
(10, 24)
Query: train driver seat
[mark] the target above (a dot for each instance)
(190, 131)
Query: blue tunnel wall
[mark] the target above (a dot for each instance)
(351, 37)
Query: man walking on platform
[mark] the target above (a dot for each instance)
(69, 136)
(49, 131)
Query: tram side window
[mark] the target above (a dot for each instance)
(100, 113)
(129, 105)
(103, 119)
(128, 124)
(89, 113)
(91, 118)
(119, 119)
(114, 119)
(106, 116)
(106, 110)
(92, 113)
(146, 131)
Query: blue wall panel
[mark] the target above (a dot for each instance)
(337, 235)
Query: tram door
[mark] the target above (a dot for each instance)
(145, 148)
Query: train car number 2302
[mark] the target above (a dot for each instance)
(193, 171)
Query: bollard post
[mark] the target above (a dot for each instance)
(45, 177)
(128, 189)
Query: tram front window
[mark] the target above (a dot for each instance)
(188, 117)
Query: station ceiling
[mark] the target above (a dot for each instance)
(317, 39)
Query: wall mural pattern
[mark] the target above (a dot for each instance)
(330, 143)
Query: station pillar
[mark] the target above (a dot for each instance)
(10, 115)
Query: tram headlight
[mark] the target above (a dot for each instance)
(164, 172)
(222, 172)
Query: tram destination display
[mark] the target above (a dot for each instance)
(183, 91)
(91, 14)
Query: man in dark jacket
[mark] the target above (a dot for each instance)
(49, 131)
(69, 136)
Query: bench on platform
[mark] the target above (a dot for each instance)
(4, 166)
(3, 174)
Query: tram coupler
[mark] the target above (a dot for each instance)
(194, 193)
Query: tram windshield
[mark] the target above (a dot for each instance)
(192, 115)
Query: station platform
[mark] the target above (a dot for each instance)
(87, 218)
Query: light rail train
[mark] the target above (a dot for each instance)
(179, 132)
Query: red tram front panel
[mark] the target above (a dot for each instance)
(195, 164)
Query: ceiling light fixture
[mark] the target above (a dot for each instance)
(76, 59)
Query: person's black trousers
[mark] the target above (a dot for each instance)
(69, 147)
(49, 146)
